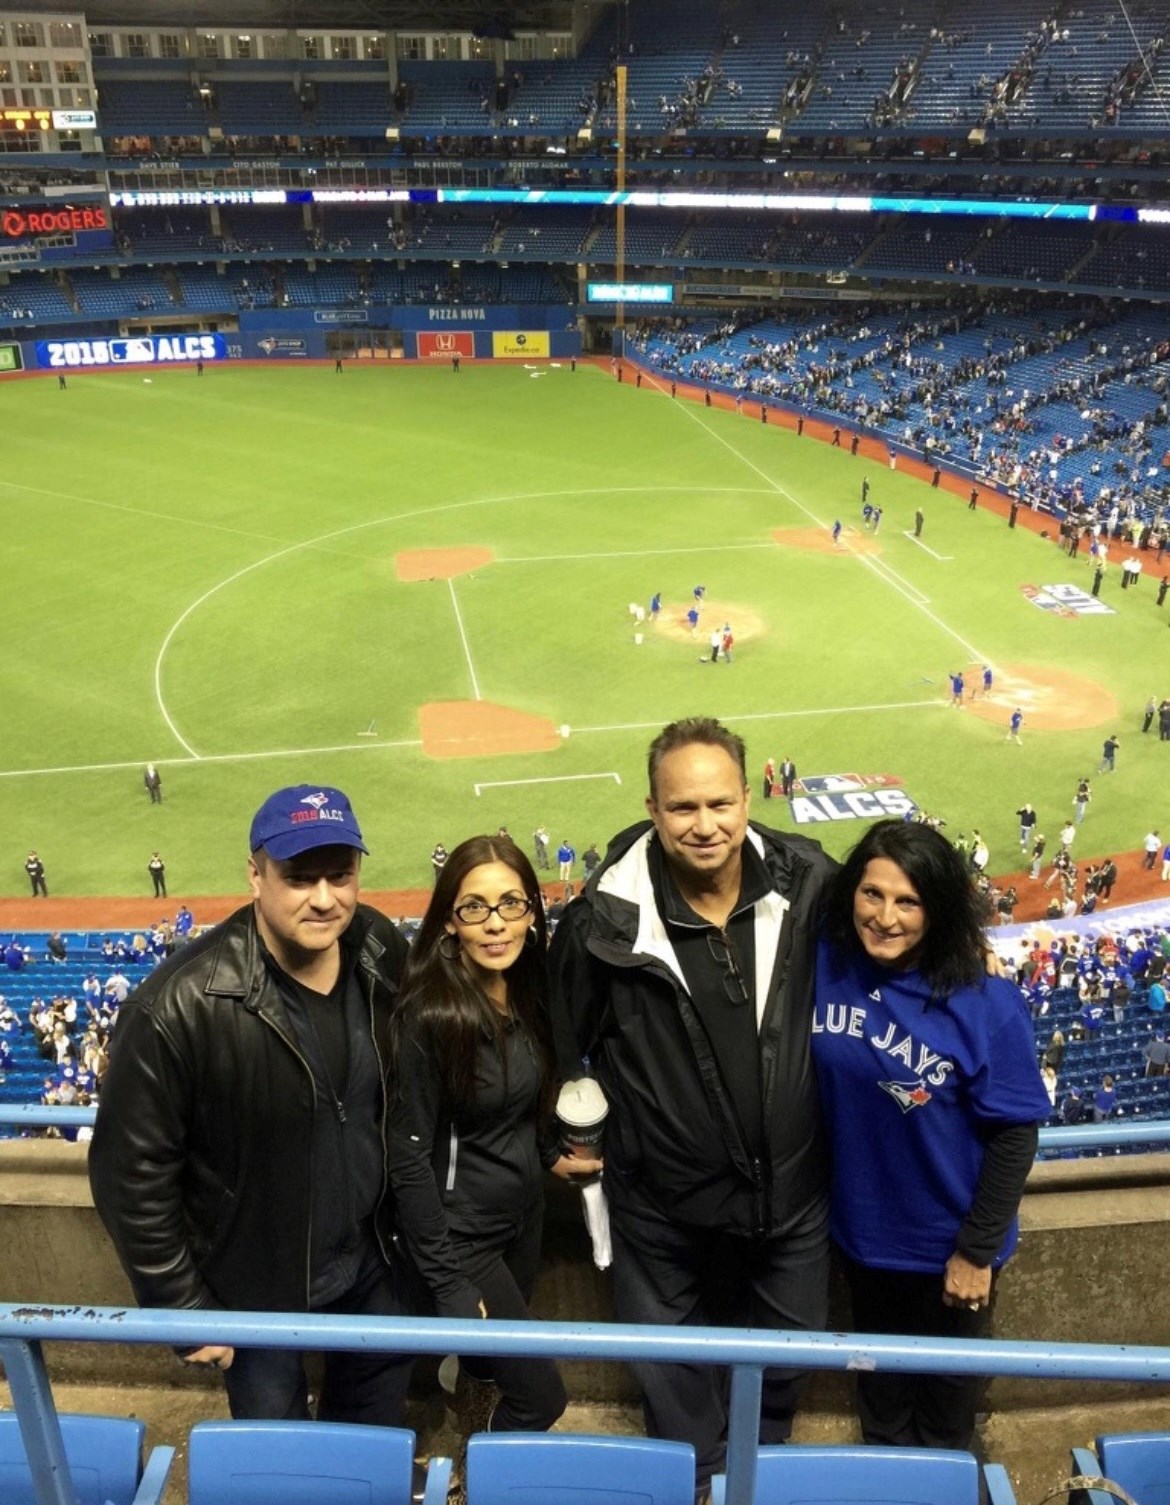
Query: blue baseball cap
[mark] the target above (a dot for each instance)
(296, 820)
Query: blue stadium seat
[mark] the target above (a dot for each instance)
(523, 1468)
(1138, 1461)
(105, 1462)
(306, 1463)
(858, 1475)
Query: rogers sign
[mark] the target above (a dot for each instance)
(19, 224)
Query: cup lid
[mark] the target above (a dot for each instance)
(581, 1103)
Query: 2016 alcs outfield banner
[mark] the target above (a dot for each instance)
(530, 344)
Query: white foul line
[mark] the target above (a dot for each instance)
(733, 716)
(899, 582)
(864, 559)
(243, 757)
(725, 548)
(158, 517)
(378, 746)
(564, 778)
(913, 537)
(463, 636)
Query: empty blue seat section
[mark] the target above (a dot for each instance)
(104, 1454)
(1138, 1461)
(522, 1468)
(300, 1463)
(804, 1475)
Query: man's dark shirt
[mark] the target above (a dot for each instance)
(346, 1169)
(730, 1021)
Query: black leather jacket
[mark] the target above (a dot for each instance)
(199, 1162)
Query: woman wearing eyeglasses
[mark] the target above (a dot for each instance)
(932, 1097)
(469, 1131)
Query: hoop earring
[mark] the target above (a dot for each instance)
(530, 936)
(450, 956)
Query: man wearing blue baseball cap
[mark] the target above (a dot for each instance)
(238, 1161)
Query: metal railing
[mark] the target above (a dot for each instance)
(1084, 1136)
(23, 1329)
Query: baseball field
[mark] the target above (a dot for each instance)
(417, 585)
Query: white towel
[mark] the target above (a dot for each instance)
(596, 1210)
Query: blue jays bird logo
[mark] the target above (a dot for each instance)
(907, 1095)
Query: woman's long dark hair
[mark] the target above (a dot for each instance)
(952, 950)
(442, 997)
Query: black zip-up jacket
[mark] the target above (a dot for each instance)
(200, 1159)
(475, 1174)
(672, 1138)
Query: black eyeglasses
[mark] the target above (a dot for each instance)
(723, 953)
(475, 911)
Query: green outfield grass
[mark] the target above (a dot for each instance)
(201, 572)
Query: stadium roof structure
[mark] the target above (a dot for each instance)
(487, 17)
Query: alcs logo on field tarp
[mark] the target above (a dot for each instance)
(849, 796)
(1066, 601)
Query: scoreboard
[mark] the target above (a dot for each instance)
(28, 117)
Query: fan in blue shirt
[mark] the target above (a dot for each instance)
(932, 1098)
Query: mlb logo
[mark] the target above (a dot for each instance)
(831, 783)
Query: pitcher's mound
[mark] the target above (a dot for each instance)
(743, 621)
(1052, 700)
(820, 540)
(439, 564)
(479, 729)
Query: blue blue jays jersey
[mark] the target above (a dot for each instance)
(911, 1089)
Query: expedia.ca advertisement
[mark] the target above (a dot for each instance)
(531, 344)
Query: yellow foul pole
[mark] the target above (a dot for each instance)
(620, 269)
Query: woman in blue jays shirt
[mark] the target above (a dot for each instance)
(932, 1098)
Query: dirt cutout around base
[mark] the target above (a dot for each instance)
(672, 623)
(820, 541)
(1052, 700)
(479, 729)
(439, 564)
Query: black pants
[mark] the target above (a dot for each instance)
(160, 885)
(269, 1384)
(38, 886)
(690, 1277)
(532, 1394)
(915, 1410)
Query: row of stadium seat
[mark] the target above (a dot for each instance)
(726, 71)
(256, 1463)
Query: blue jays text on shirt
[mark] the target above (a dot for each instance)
(919, 1059)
